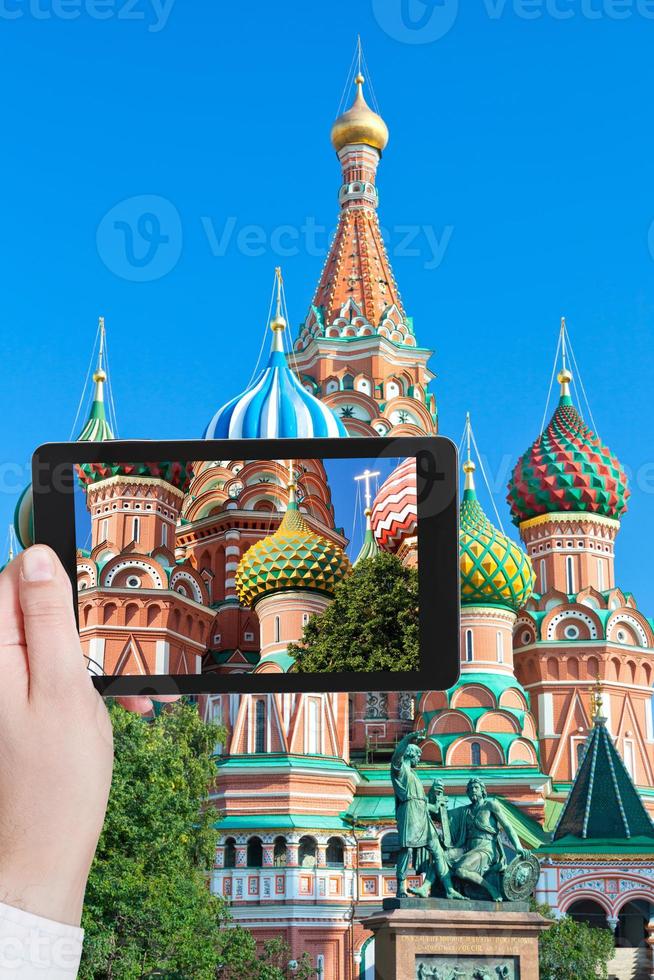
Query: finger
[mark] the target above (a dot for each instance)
(53, 648)
(13, 655)
(137, 705)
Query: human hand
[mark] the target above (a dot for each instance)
(56, 747)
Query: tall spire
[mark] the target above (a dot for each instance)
(369, 548)
(275, 404)
(357, 267)
(97, 428)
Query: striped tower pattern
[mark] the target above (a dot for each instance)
(394, 515)
(275, 405)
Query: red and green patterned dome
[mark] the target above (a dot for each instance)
(177, 473)
(567, 469)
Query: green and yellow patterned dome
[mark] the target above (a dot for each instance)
(494, 570)
(294, 557)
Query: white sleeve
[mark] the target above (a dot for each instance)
(32, 948)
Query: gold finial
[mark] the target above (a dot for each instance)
(469, 470)
(278, 323)
(359, 124)
(564, 377)
(468, 466)
(597, 702)
(100, 375)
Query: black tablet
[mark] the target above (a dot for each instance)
(258, 565)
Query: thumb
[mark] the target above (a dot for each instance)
(51, 638)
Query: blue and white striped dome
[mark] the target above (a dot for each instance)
(275, 405)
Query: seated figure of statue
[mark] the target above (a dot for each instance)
(478, 850)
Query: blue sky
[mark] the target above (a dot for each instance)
(519, 165)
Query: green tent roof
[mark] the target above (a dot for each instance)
(604, 804)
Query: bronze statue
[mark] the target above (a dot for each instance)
(463, 843)
(480, 825)
(415, 828)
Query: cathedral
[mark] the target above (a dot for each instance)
(553, 708)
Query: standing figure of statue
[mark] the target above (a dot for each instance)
(415, 828)
(479, 837)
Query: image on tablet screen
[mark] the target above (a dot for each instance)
(248, 566)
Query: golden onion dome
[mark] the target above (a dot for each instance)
(359, 124)
(294, 557)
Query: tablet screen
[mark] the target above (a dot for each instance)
(257, 568)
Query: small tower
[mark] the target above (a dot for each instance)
(567, 494)
(286, 578)
(485, 719)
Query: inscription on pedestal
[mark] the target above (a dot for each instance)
(458, 967)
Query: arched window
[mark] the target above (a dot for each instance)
(475, 754)
(580, 749)
(390, 848)
(570, 574)
(588, 911)
(230, 853)
(499, 647)
(255, 853)
(260, 726)
(469, 646)
(348, 382)
(164, 535)
(280, 852)
(136, 525)
(335, 853)
(278, 629)
(543, 576)
(104, 529)
(632, 924)
(307, 852)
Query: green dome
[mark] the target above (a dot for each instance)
(294, 557)
(494, 571)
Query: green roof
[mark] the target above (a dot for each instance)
(603, 805)
(284, 821)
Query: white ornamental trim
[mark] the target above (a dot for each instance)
(572, 614)
(133, 563)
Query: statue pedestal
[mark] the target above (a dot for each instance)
(421, 939)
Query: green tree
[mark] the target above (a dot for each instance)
(148, 910)
(239, 959)
(571, 950)
(372, 624)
